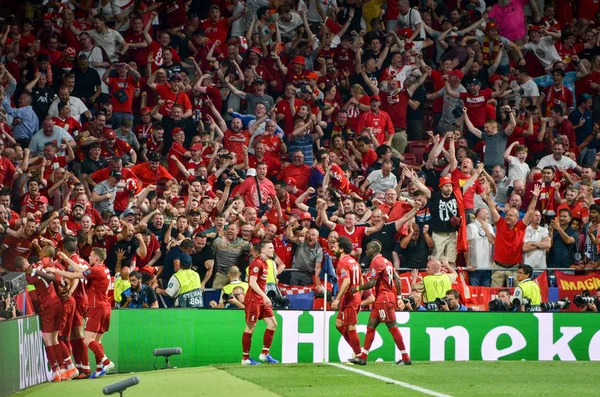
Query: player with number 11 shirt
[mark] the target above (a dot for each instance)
(348, 301)
(384, 278)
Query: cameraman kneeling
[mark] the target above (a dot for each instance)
(451, 302)
(235, 300)
(138, 295)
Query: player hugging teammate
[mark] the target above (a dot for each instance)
(63, 305)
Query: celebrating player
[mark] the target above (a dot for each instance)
(348, 301)
(80, 350)
(382, 276)
(98, 278)
(51, 314)
(258, 305)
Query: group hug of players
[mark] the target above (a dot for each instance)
(71, 290)
(381, 276)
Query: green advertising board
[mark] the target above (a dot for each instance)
(214, 336)
(23, 360)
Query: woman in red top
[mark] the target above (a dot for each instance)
(356, 105)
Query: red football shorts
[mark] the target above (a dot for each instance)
(385, 312)
(80, 314)
(51, 318)
(67, 318)
(257, 311)
(98, 320)
(348, 315)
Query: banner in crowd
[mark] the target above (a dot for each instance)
(23, 360)
(570, 285)
(214, 336)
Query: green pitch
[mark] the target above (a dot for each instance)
(420, 379)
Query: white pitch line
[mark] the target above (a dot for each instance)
(389, 380)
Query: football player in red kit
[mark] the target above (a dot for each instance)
(51, 314)
(258, 305)
(348, 301)
(384, 278)
(98, 282)
(80, 350)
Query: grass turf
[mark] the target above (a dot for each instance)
(457, 379)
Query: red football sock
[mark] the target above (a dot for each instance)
(368, 342)
(51, 357)
(267, 340)
(342, 329)
(399, 342)
(98, 350)
(66, 353)
(84, 354)
(246, 343)
(354, 341)
(59, 355)
(76, 353)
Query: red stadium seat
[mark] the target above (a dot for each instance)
(418, 148)
(411, 159)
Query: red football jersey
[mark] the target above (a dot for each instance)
(80, 294)
(45, 290)
(98, 283)
(348, 268)
(356, 237)
(260, 269)
(383, 271)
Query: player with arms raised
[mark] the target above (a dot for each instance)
(383, 277)
(98, 282)
(348, 301)
(258, 305)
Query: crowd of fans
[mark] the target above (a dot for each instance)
(176, 134)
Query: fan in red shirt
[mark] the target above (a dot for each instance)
(568, 49)
(65, 120)
(378, 120)
(236, 138)
(217, 28)
(115, 147)
(349, 279)
(172, 94)
(51, 315)
(202, 46)
(349, 229)
(18, 246)
(178, 152)
(260, 156)
(138, 41)
(297, 170)
(152, 173)
(98, 284)
(121, 87)
(258, 306)
(356, 105)
(384, 278)
(122, 196)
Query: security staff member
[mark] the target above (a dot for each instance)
(185, 286)
(527, 289)
(436, 284)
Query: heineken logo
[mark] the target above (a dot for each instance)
(32, 356)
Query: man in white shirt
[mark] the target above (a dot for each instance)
(536, 243)
(106, 38)
(557, 160)
(77, 106)
(411, 18)
(50, 133)
(380, 180)
(541, 42)
(479, 258)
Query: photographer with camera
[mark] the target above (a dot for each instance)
(502, 302)
(436, 284)
(451, 302)
(8, 308)
(185, 286)
(138, 295)
(588, 302)
(230, 294)
(527, 295)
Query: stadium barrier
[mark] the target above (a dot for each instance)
(214, 336)
(23, 360)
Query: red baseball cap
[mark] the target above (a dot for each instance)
(375, 98)
(491, 25)
(42, 199)
(312, 76)
(110, 134)
(298, 59)
(257, 51)
(445, 180)
(406, 32)
(196, 147)
(306, 215)
(176, 130)
(175, 199)
(146, 109)
(291, 181)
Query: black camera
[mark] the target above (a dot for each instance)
(135, 296)
(498, 305)
(564, 303)
(441, 301)
(409, 300)
(457, 112)
(584, 298)
(279, 301)
(521, 302)
(12, 284)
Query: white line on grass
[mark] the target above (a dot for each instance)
(389, 380)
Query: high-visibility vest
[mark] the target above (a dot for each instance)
(436, 286)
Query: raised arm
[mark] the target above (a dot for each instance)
(470, 125)
(531, 209)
